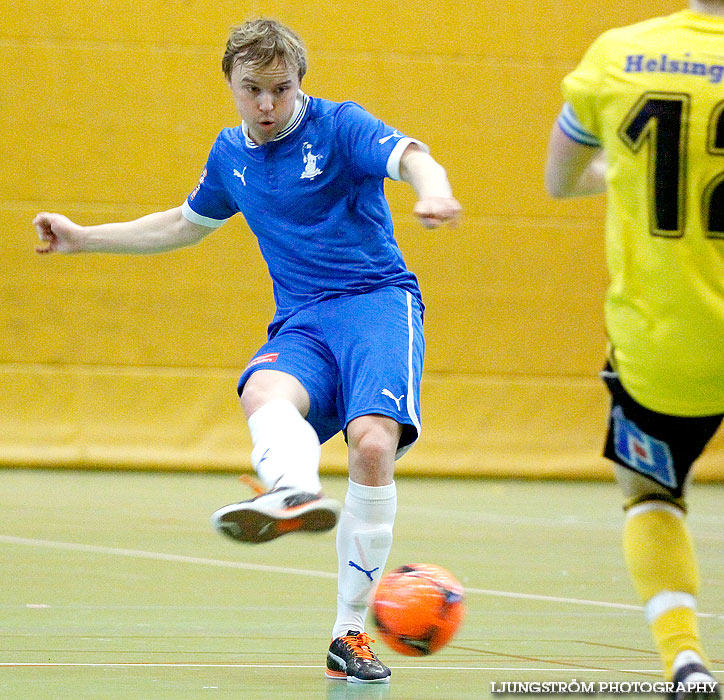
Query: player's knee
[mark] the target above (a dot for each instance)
(639, 490)
(251, 399)
(636, 486)
(266, 385)
(374, 440)
(373, 446)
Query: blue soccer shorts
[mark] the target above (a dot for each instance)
(655, 445)
(355, 355)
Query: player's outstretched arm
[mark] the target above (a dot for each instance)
(154, 233)
(435, 202)
(573, 169)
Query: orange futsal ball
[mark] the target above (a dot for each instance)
(418, 608)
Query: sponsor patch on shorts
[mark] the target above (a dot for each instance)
(647, 455)
(261, 359)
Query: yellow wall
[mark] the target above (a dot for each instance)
(108, 112)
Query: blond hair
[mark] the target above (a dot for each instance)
(260, 42)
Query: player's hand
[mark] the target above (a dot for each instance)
(58, 233)
(434, 211)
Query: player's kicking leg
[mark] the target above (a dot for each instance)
(286, 458)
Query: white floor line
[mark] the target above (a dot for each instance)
(182, 559)
(160, 556)
(556, 599)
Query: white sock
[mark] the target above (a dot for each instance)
(286, 448)
(364, 539)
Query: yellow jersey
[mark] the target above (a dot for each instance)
(652, 95)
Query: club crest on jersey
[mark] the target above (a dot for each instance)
(645, 454)
(311, 170)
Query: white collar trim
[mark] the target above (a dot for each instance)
(300, 109)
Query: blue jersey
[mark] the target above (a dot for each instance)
(314, 198)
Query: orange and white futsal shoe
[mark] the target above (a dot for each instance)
(350, 659)
(276, 512)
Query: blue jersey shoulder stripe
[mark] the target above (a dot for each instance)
(572, 127)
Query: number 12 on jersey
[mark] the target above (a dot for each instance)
(661, 121)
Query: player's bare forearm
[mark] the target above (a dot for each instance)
(573, 169)
(154, 233)
(435, 204)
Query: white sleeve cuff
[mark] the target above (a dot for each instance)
(393, 162)
(195, 218)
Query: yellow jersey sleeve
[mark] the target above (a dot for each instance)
(581, 86)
